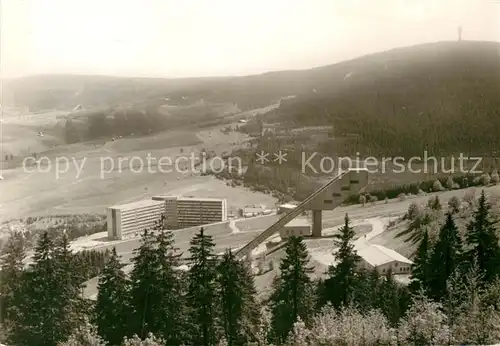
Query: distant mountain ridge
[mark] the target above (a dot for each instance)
(443, 96)
(59, 91)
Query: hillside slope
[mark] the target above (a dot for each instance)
(64, 92)
(443, 96)
(440, 97)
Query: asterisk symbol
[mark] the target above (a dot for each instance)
(262, 157)
(280, 157)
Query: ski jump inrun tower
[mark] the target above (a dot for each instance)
(328, 197)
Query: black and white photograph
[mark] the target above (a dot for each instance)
(249, 173)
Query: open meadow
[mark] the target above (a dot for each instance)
(90, 176)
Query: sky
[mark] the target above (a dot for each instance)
(189, 38)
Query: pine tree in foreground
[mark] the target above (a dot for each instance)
(420, 275)
(483, 241)
(48, 304)
(170, 307)
(157, 298)
(143, 279)
(292, 295)
(390, 298)
(374, 282)
(342, 277)
(236, 299)
(111, 310)
(454, 299)
(252, 309)
(202, 287)
(10, 277)
(73, 307)
(34, 298)
(366, 292)
(445, 257)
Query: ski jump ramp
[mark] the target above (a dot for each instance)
(327, 197)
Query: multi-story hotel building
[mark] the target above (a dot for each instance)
(134, 217)
(182, 212)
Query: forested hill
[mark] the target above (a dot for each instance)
(443, 97)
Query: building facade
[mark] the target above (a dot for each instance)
(384, 260)
(170, 210)
(299, 227)
(285, 208)
(183, 212)
(251, 211)
(128, 219)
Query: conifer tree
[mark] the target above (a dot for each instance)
(483, 241)
(48, 304)
(142, 280)
(170, 307)
(111, 310)
(11, 276)
(413, 211)
(202, 286)
(252, 311)
(454, 298)
(420, 275)
(156, 292)
(292, 295)
(342, 277)
(374, 287)
(366, 291)
(445, 257)
(454, 204)
(435, 204)
(70, 289)
(236, 291)
(388, 301)
(34, 298)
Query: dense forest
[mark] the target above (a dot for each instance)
(440, 96)
(74, 226)
(453, 297)
(434, 98)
